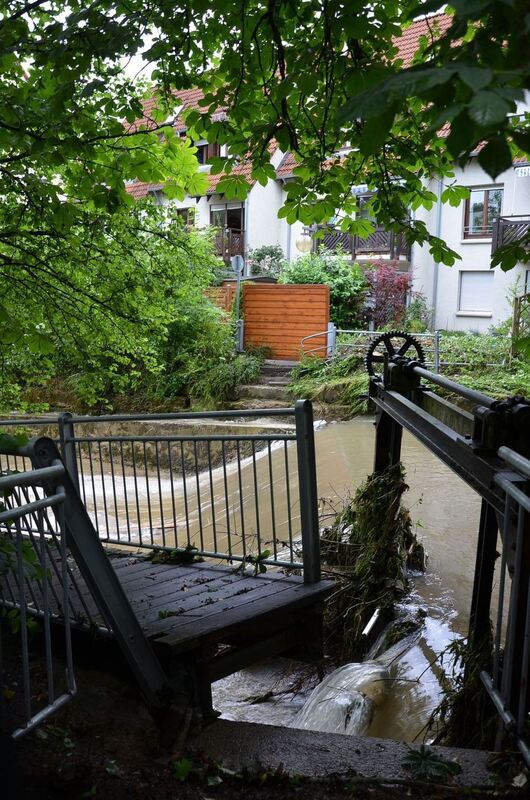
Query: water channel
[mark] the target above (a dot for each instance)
(446, 512)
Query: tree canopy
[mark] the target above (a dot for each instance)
(320, 77)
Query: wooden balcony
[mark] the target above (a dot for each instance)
(229, 242)
(379, 244)
(508, 230)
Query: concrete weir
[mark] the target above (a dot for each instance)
(240, 745)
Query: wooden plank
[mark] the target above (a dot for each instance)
(227, 622)
(184, 595)
(289, 339)
(159, 573)
(186, 627)
(295, 329)
(287, 289)
(216, 588)
(266, 584)
(201, 604)
(280, 309)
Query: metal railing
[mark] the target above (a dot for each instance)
(33, 553)
(230, 496)
(510, 230)
(380, 242)
(508, 685)
(342, 342)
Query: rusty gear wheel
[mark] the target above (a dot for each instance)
(395, 343)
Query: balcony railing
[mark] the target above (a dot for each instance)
(379, 243)
(229, 242)
(508, 230)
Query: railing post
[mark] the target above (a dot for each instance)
(479, 617)
(66, 435)
(437, 351)
(307, 478)
(332, 339)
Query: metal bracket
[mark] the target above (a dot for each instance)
(505, 423)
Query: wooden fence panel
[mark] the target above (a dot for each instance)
(279, 316)
(222, 296)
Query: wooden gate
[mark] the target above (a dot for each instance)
(279, 316)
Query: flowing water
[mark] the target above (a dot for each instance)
(397, 703)
(392, 697)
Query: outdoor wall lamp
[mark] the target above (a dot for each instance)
(304, 242)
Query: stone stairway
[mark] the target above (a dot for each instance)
(272, 385)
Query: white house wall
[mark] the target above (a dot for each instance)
(262, 225)
(475, 255)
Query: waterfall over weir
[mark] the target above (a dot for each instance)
(345, 701)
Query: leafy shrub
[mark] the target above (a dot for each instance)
(418, 315)
(200, 357)
(388, 293)
(342, 380)
(346, 281)
(220, 381)
(267, 260)
(464, 350)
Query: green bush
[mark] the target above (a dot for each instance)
(418, 316)
(341, 380)
(200, 358)
(346, 281)
(462, 350)
(267, 260)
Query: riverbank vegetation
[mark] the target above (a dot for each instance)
(124, 320)
(366, 550)
(480, 361)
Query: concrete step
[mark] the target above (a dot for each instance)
(274, 380)
(277, 368)
(242, 745)
(264, 405)
(263, 392)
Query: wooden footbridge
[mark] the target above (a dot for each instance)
(183, 562)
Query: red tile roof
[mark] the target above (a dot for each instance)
(139, 189)
(286, 166)
(187, 98)
(243, 169)
(408, 43)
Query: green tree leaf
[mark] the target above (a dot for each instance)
(495, 157)
(487, 109)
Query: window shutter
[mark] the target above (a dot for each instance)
(213, 150)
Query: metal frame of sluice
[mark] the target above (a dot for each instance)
(489, 448)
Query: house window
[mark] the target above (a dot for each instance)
(158, 197)
(476, 291)
(225, 217)
(206, 151)
(481, 210)
(365, 211)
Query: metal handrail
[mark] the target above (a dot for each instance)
(456, 388)
(26, 524)
(507, 685)
(219, 493)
